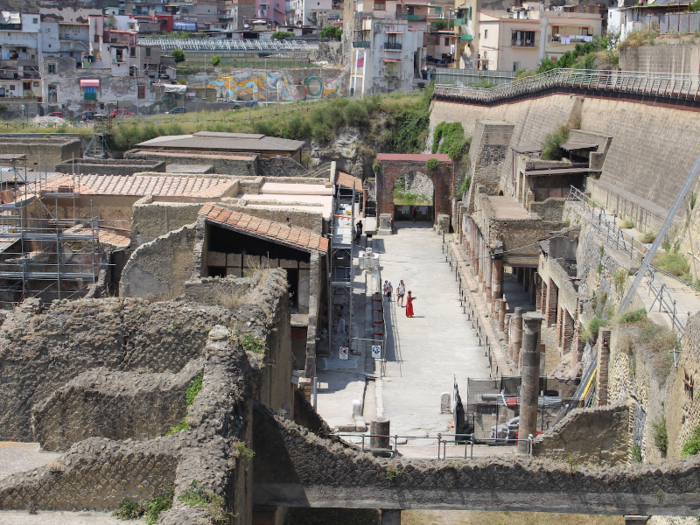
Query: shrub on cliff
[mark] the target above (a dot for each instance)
(551, 145)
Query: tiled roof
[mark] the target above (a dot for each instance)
(347, 181)
(272, 231)
(139, 185)
(224, 141)
(414, 157)
(106, 237)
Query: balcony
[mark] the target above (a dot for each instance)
(466, 37)
(361, 43)
(393, 46)
(89, 96)
(523, 43)
(416, 18)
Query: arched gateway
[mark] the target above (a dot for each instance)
(393, 165)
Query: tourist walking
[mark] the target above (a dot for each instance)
(358, 232)
(414, 212)
(388, 289)
(400, 292)
(409, 304)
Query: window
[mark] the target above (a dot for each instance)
(470, 13)
(555, 30)
(585, 32)
(447, 41)
(48, 29)
(142, 91)
(27, 86)
(148, 51)
(523, 39)
(486, 33)
(132, 52)
(516, 66)
(49, 45)
(379, 7)
(52, 69)
(12, 87)
(97, 39)
(35, 20)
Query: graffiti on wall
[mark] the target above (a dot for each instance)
(246, 85)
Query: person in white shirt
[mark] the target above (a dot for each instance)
(400, 292)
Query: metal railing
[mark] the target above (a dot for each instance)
(667, 303)
(216, 44)
(648, 84)
(604, 223)
(439, 447)
(393, 45)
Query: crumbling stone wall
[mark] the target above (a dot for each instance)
(551, 209)
(41, 352)
(282, 167)
(596, 436)
(116, 405)
(42, 150)
(152, 219)
(159, 269)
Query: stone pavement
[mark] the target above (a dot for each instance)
(16, 517)
(424, 353)
(21, 457)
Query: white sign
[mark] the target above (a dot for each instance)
(343, 352)
(377, 352)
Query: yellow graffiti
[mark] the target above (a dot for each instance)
(247, 86)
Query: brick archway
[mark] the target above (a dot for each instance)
(394, 165)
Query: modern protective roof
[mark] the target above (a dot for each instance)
(563, 171)
(224, 141)
(568, 146)
(141, 185)
(348, 181)
(264, 229)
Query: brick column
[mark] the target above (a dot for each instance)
(551, 306)
(542, 308)
(488, 267)
(603, 362)
(560, 328)
(496, 276)
(517, 334)
(530, 373)
(506, 331)
(567, 331)
(501, 314)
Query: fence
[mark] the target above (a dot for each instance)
(671, 22)
(466, 77)
(605, 225)
(640, 83)
(666, 303)
(441, 446)
(221, 44)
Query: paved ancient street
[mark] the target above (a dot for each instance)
(424, 353)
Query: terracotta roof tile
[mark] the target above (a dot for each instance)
(271, 230)
(348, 181)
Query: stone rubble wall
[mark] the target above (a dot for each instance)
(151, 219)
(158, 270)
(594, 436)
(41, 352)
(115, 405)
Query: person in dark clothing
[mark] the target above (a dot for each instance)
(414, 212)
(358, 232)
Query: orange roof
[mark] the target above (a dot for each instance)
(273, 231)
(140, 185)
(348, 181)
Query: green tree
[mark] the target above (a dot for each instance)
(440, 25)
(331, 32)
(281, 35)
(215, 60)
(179, 55)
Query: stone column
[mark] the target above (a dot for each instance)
(501, 314)
(391, 517)
(530, 387)
(496, 274)
(506, 331)
(603, 362)
(517, 334)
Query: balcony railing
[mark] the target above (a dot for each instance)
(360, 43)
(523, 43)
(416, 18)
(393, 46)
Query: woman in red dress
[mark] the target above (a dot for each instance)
(409, 305)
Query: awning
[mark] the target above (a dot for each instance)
(392, 60)
(175, 88)
(569, 146)
(89, 82)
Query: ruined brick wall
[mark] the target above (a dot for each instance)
(595, 436)
(153, 219)
(230, 164)
(41, 352)
(41, 150)
(282, 167)
(115, 405)
(109, 166)
(159, 269)
(551, 209)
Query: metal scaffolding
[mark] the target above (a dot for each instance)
(341, 271)
(46, 249)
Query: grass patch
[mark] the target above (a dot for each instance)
(692, 446)
(230, 299)
(149, 510)
(627, 224)
(196, 496)
(648, 238)
(194, 388)
(673, 263)
(243, 451)
(449, 139)
(393, 473)
(128, 510)
(463, 188)
(253, 344)
(660, 435)
(634, 316)
(404, 197)
(591, 328)
(636, 454)
(650, 343)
